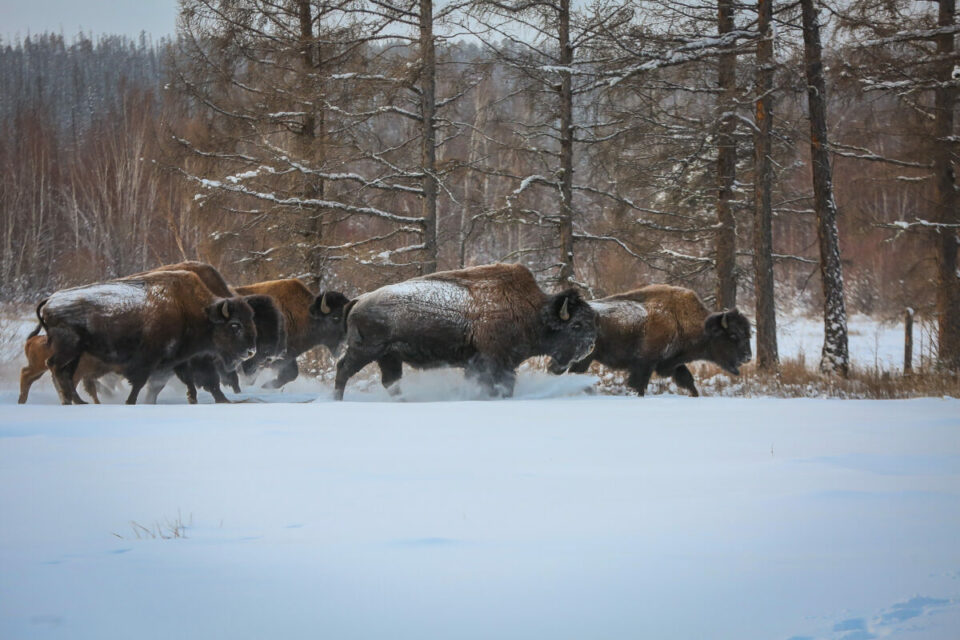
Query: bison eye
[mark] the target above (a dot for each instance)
(236, 327)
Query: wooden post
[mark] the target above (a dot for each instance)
(908, 342)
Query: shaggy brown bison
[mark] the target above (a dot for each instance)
(486, 319)
(153, 322)
(207, 371)
(661, 328)
(310, 321)
(37, 350)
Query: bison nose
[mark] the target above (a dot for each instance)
(251, 352)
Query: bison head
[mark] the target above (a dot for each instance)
(234, 332)
(727, 336)
(569, 327)
(271, 331)
(328, 319)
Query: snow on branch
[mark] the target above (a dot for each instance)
(304, 202)
(862, 153)
(686, 52)
(918, 223)
(906, 36)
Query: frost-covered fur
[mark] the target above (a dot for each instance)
(661, 328)
(307, 325)
(154, 322)
(486, 319)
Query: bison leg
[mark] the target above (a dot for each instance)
(65, 345)
(28, 375)
(639, 379)
(287, 372)
(205, 375)
(232, 379)
(185, 373)
(684, 380)
(351, 362)
(391, 370)
(90, 386)
(139, 378)
(496, 380)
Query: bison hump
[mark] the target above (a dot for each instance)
(110, 297)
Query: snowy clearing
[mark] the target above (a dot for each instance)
(554, 515)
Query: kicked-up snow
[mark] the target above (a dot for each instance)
(558, 514)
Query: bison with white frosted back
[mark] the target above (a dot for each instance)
(150, 323)
(661, 328)
(485, 319)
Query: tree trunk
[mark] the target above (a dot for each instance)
(311, 129)
(767, 358)
(566, 276)
(726, 247)
(835, 357)
(428, 153)
(948, 279)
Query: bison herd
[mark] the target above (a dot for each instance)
(185, 320)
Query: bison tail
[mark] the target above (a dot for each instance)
(40, 324)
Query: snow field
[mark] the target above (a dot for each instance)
(562, 517)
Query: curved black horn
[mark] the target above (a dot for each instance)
(324, 307)
(564, 311)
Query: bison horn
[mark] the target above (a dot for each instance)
(723, 320)
(564, 311)
(324, 307)
(225, 310)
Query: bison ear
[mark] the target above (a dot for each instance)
(219, 311)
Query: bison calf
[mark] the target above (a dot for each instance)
(485, 319)
(38, 351)
(661, 328)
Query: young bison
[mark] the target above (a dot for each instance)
(37, 349)
(661, 328)
(485, 319)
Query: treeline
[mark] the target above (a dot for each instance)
(606, 146)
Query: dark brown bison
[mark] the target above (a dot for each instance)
(153, 322)
(207, 371)
(38, 351)
(310, 320)
(661, 328)
(485, 319)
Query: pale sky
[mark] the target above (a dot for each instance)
(124, 17)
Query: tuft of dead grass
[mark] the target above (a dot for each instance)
(169, 529)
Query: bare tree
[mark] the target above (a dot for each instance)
(835, 357)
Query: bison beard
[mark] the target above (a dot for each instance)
(659, 329)
(485, 319)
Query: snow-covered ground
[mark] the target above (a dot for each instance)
(558, 514)
(873, 343)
